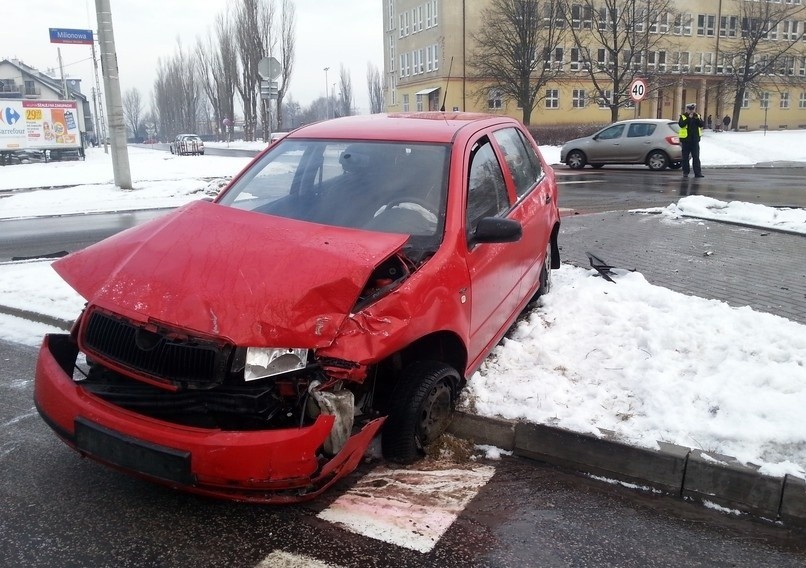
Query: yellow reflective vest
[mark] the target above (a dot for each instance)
(684, 129)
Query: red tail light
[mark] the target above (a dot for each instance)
(673, 140)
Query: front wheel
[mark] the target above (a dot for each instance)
(421, 410)
(576, 160)
(657, 160)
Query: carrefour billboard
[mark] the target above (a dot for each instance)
(38, 125)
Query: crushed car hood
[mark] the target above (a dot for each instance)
(252, 278)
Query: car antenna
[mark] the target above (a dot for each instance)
(442, 109)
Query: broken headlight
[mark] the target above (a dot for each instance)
(262, 362)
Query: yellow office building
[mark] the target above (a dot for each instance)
(686, 51)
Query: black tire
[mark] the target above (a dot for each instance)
(545, 274)
(657, 160)
(675, 165)
(597, 166)
(576, 159)
(420, 410)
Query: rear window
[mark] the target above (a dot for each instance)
(674, 126)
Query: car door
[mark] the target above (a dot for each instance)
(493, 268)
(638, 141)
(606, 146)
(534, 204)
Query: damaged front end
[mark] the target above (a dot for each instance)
(281, 437)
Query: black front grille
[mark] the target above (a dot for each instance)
(158, 354)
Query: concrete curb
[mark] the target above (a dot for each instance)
(37, 317)
(675, 470)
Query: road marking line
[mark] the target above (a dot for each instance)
(281, 559)
(407, 507)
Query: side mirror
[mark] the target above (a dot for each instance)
(497, 230)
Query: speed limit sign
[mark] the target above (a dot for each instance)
(638, 90)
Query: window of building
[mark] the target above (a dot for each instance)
(680, 62)
(494, 100)
(406, 22)
(764, 99)
(664, 23)
(582, 16)
(419, 103)
(419, 18)
(784, 102)
(682, 24)
(390, 14)
(552, 98)
(393, 88)
(405, 103)
(428, 19)
(553, 58)
(578, 98)
(706, 24)
(435, 11)
(725, 64)
(746, 100)
(436, 57)
(728, 26)
(802, 101)
(429, 58)
(790, 29)
(391, 52)
(604, 98)
(802, 66)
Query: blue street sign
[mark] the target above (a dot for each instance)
(63, 35)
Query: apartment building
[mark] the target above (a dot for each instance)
(689, 55)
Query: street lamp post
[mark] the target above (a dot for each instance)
(327, 99)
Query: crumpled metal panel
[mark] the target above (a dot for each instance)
(254, 279)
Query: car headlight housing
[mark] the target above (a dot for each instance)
(262, 362)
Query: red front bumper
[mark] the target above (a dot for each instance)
(270, 466)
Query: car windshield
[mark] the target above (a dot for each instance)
(391, 187)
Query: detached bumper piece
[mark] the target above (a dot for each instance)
(258, 466)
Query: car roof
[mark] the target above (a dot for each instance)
(434, 126)
(645, 120)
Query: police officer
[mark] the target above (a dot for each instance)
(691, 125)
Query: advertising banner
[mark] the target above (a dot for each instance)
(38, 125)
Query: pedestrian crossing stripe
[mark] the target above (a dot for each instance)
(407, 507)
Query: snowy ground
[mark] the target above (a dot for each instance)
(576, 361)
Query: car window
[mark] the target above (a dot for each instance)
(674, 126)
(525, 168)
(486, 189)
(640, 129)
(612, 132)
(377, 186)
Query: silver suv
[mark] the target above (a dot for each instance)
(653, 142)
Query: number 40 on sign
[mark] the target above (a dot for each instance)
(638, 90)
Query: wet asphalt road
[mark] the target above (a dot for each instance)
(58, 510)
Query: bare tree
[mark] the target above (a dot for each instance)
(344, 104)
(133, 110)
(253, 25)
(286, 55)
(177, 94)
(218, 71)
(614, 40)
(317, 110)
(375, 88)
(515, 53)
(764, 50)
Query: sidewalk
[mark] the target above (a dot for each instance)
(741, 266)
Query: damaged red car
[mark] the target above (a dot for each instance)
(346, 284)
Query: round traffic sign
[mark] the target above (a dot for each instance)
(638, 90)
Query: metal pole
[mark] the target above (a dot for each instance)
(99, 105)
(114, 104)
(61, 70)
(327, 98)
